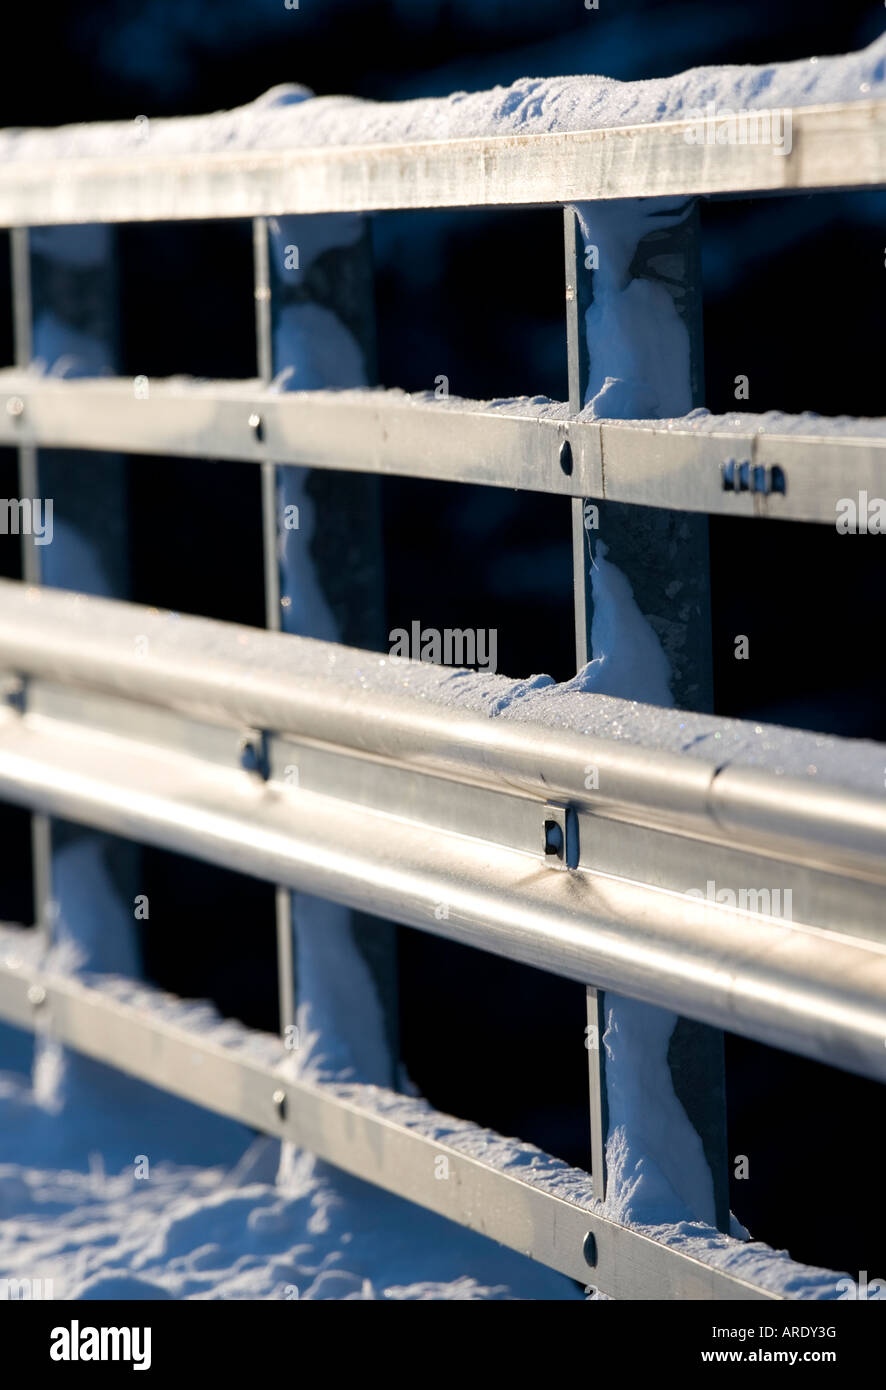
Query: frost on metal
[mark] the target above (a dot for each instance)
(252, 391)
(248, 661)
(808, 425)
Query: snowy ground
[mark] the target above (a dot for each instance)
(211, 1219)
(132, 1194)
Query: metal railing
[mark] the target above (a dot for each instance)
(402, 801)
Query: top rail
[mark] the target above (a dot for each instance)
(504, 170)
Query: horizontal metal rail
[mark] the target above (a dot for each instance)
(655, 464)
(349, 1127)
(394, 814)
(622, 162)
(324, 694)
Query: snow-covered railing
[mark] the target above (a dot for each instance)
(634, 161)
(389, 787)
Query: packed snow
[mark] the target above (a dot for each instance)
(289, 116)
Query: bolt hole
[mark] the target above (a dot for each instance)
(553, 838)
(254, 756)
(566, 458)
(589, 1250)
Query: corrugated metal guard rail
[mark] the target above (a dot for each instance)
(403, 802)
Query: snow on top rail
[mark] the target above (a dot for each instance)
(554, 140)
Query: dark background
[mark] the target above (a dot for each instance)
(794, 299)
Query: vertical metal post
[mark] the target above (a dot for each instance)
(23, 338)
(283, 897)
(599, 1105)
(577, 302)
(665, 557)
(322, 555)
(65, 309)
(578, 295)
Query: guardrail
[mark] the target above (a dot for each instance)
(403, 803)
(516, 444)
(401, 800)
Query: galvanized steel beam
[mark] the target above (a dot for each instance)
(370, 837)
(650, 463)
(622, 162)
